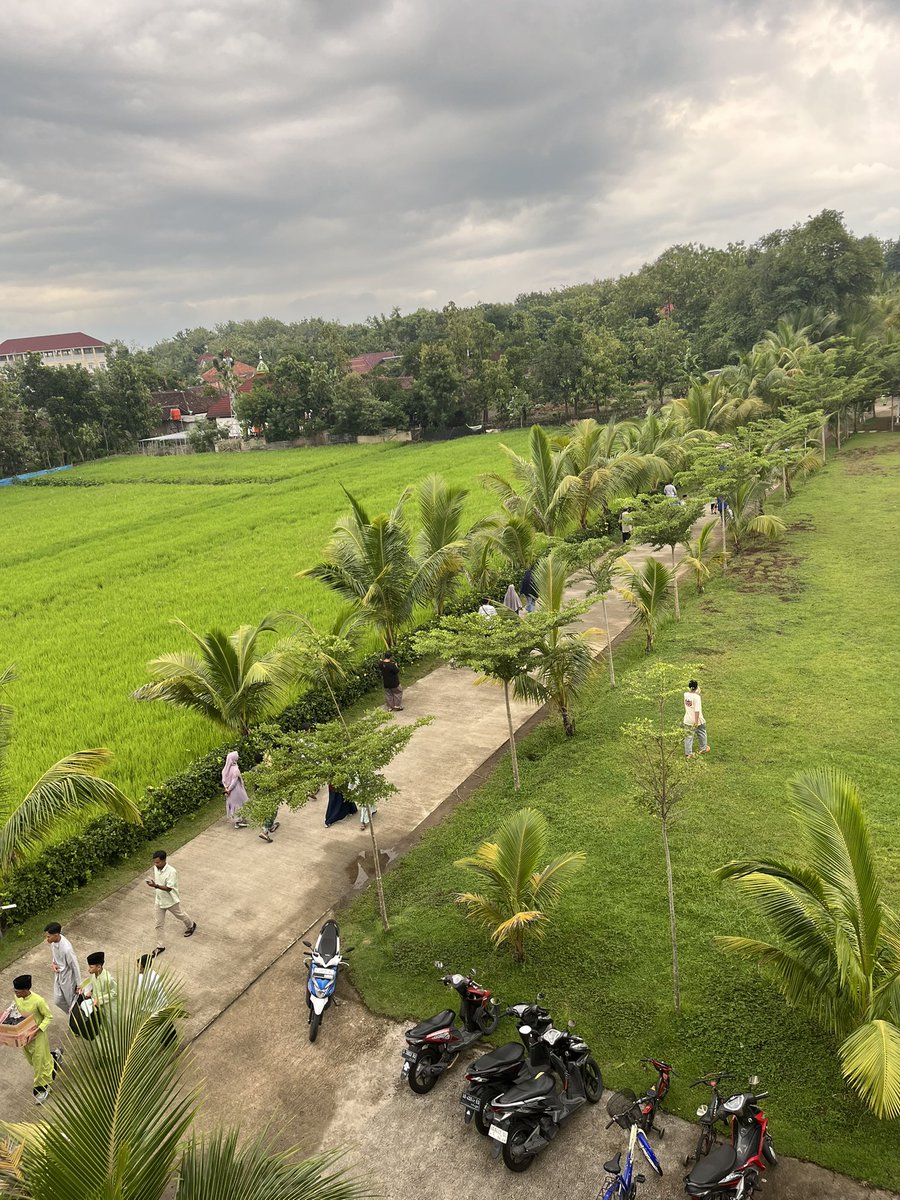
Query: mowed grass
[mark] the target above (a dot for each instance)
(91, 577)
(799, 654)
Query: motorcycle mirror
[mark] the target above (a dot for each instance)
(306, 943)
(754, 1080)
(571, 1024)
(439, 964)
(541, 996)
(349, 949)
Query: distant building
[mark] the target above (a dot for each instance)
(56, 350)
(362, 364)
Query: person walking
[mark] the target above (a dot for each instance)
(512, 601)
(235, 792)
(694, 722)
(626, 524)
(37, 1051)
(390, 679)
(168, 900)
(99, 985)
(271, 823)
(528, 590)
(67, 972)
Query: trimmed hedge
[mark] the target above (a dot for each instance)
(61, 869)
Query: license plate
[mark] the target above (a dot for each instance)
(410, 1055)
(469, 1100)
(499, 1134)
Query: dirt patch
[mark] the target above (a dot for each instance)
(803, 524)
(861, 459)
(706, 651)
(771, 570)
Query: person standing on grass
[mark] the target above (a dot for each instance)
(390, 679)
(693, 720)
(65, 966)
(42, 1062)
(235, 792)
(165, 882)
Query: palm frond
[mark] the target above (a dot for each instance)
(527, 918)
(69, 788)
(218, 1168)
(548, 884)
(870, 1062)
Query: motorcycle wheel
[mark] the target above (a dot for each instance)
(514, 1155)
(315, 1020)
(769, 1152)
(482, 1122)
(593, 1081)
(488, 1019)
(421, 1078)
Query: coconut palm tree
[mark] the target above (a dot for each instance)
(231, 681)
(710, 406)
(836, 944)
(603, 468)
(649, 593)
(69, 789)
(701, 556)
(563, 662)
(516, 893)
(542, 485)
(745, 517)
(440, 505)
(121, 1115)
(369, 561)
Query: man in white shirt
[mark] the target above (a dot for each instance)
(671, 491)
(165, 883)
(487, 609)
(693, 720)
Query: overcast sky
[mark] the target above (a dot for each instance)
(166, 163)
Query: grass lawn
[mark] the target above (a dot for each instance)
(93, 575)
(799, 654)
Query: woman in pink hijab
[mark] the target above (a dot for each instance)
(235, 792)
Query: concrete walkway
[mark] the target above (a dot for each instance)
(251, 900)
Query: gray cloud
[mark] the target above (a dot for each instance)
(176, 163)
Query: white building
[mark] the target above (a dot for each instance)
(56, 350)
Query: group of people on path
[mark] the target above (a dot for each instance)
(82, 1000)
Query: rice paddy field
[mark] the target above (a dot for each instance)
(92, 576)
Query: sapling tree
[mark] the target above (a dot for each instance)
(502, 648)
(596, 558)
(659, 767)
(661, 521)
(350, 757)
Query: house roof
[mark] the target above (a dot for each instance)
(362, 364)
(53, 341)
(189, 400)
(241, 371)
(220, 407)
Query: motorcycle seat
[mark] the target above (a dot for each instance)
(439, 1021)
(504, 1056)
(717, 1164)
(326, 943)
(529, 1089)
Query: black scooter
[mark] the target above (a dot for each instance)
(527, 1118)
(493, 1073)
(433, 1046)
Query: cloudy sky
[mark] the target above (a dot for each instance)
(166, 163)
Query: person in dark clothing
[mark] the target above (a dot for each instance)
(390, 679)
(338, 806)
(528, 590)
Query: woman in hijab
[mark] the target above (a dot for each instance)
(235, 792)
(512, 601)
(338, 806)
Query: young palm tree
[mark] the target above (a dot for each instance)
(231, 681)
(603, 468)
(710, 406)
(370, 563)
(649, 594)
(836, 950)
(701, 556)
(121, 1111)
(440, 506)
(516, 892)
(563, 663)
(543, 495)
(745, 516)
(70, 788)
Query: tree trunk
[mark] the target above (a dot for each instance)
(512, 737)
(676, 983)
(379, 883)
(568, 723)
(822, 431)
(609, 649)
(675, 586)
(837, 427)
(784, 487)
(724, 546)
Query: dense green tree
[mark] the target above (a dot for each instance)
(438, 387)
(660, 354)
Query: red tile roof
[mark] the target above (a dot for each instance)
(219, 408)
(189, 400)
(364, 363)
(53, 341)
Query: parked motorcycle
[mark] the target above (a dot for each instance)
(627, 1110)
(433, 1046)
(709, 1115)
(323, 965)
(527, 1118)
(624, 1186)
(734, 1169)
(494, 1073)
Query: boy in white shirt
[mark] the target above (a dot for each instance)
(487, 609)
(693, 720)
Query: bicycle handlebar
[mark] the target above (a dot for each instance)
(712, 1078)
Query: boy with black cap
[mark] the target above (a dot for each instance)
(41, 1061)
(99, 985)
